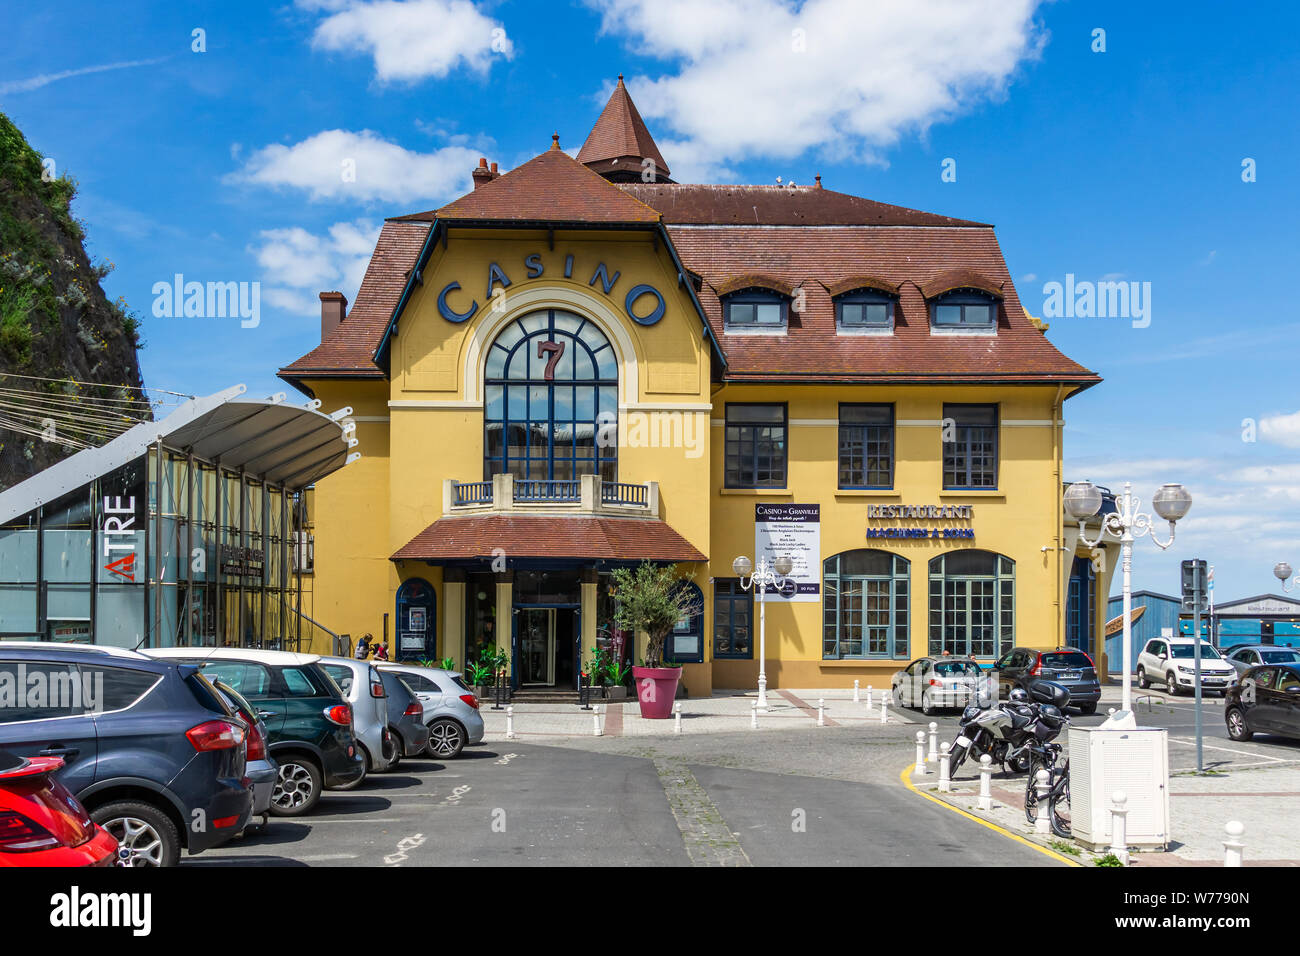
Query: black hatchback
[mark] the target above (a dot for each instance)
(1067, 666)
(148, 746)
(1266, 700)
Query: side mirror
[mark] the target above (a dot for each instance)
(1293, 689)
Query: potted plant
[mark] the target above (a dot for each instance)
(616, 675)
(651, 599)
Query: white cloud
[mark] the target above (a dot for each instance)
(340, 164)
(411, 40)
(1281, 429)
(868, 72)
(299, 264)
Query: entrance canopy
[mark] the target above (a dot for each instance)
(450, 540)
(281, 444)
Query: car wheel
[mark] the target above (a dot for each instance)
(298, 789)
(1172, 681)
(366, 769)
(1142, 679)
(446, 738)
(145, 832)
(1237, 728)
(927, 704)
(392, 752)
(1088, 709)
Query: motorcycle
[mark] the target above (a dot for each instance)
(1009, 731)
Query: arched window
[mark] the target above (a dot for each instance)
(755, 309)
(417, 621)
(685, 644)
(863, 309)
(865, 606)
(964, 309)
(550, 407)
(972, 603)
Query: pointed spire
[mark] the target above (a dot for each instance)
(619, 143)
(555, 141)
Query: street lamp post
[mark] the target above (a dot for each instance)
(1282, 571)
(1171, 502)
(761, 578)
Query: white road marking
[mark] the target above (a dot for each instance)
(1247, 753)
(320, 857)
(404, 844)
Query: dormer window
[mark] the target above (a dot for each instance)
(755, 309)
(864, 309)
(964, 309)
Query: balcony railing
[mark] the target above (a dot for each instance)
(588, 494)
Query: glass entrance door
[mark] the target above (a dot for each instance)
(537, 645)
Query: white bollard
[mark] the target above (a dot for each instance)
(870, 703)
(945, 777)
(510, 722)
(821, 711)
(1233, 847)
(884, 715)
(986, 782)
(595, 722)
(1043, 824)
(920, 753)
(677, 717)
(857, 694)
(934, 741)
(1119, 826)
(753, 717)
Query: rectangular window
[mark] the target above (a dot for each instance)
(733, 618)
(756, 446)
(866, 446)
(970, 459)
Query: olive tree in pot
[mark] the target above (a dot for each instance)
(651, 598)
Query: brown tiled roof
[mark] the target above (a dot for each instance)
(620, 138)
(552, 187)
(907, 257)
(749, 280)
(852, 283)
(547, 536)
(348, 349)
(776, 206)
(961, 279)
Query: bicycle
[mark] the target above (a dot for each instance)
(1058, 788)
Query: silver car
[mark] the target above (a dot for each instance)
(1244, 658)
(450, 708)
(364, 689)
(933, 682)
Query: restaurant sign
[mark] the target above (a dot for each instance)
(927, 513)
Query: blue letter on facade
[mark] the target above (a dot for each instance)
(637, 291)
(446, 311)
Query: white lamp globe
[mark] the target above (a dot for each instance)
(783, 565)
(1282, 570)
(1171, 502)
(1082, 500)
(742, 566)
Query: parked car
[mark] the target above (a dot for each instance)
(364, 689)
(308, 720)
(1171, 661)
(149, 747)
(1244, 658)
(451, 711)
(262, 770)
(1067, 666)
(934, 682)
(405, 716)
(1265, 701)
(41, 823)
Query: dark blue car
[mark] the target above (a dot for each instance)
(148, 745)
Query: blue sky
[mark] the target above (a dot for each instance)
(1122, 165)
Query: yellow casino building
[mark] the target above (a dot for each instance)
(583, 364)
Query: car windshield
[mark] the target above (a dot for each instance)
(1189, 651)
(956, 668)
(1067, 659)
(1280, 657)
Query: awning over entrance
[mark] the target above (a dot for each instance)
(544, 536)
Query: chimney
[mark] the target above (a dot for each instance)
(482, 174)
(333, 308)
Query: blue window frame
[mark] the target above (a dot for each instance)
(733, 620)
(964, 310)
(972, 603)
(865, 605)
(1080, 606)
(866, 446)
(755, 309)
(864, 309)
(755, 446)
(685, 643)
(550, 407)
(970, 457)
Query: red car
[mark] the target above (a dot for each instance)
(42, 823)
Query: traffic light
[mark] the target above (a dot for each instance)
(1194, 579)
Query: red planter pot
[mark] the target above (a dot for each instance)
(656, 689)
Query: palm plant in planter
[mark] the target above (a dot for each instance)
(651, 598)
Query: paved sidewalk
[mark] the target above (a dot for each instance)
(725, 712)
(1266, 800)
